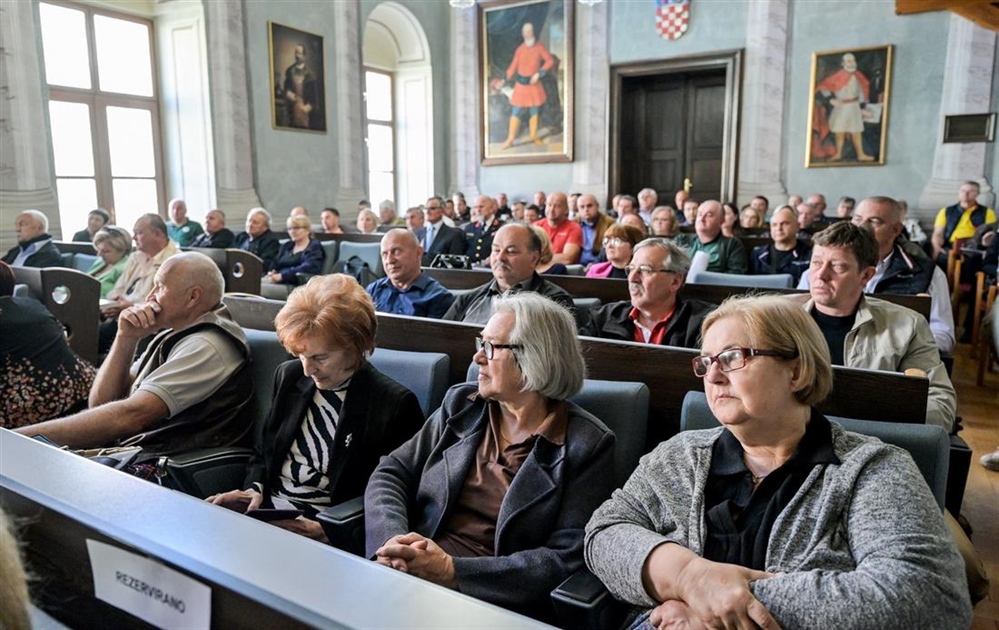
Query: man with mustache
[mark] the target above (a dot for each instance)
(656, 314)
(516, 250)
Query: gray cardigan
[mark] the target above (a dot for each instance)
(861, 545)
(539, 532)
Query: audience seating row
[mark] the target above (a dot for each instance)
(665, 370)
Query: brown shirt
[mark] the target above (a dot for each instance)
(470, 529)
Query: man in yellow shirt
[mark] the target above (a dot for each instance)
(959, 221)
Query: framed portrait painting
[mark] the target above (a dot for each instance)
(848, 110)
(526, 60)
(298, 85)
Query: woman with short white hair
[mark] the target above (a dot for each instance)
(491, 496)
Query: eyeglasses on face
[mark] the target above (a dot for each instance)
(874, 222)
(615, 241)
(645, 270)
(489, 348)
(731, 359)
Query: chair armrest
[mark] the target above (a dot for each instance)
(344, 525)
(303, 278)
(582, 601)
(207, 471)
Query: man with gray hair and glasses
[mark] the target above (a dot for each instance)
(655, 314)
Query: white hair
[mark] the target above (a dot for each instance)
(40, 217)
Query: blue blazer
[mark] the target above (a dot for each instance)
(539, 533)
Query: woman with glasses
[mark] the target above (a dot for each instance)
(778, 517)
(491, 496)
(619, 243)
(300, 254)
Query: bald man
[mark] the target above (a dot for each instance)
(566, 236)
(34, 243)
(186, 390)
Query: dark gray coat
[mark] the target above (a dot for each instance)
(539, 534)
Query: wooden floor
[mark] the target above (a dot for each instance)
(979, 406)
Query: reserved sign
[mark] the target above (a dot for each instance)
(147, 589)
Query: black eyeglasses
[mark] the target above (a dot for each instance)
(490, 348)
(645, 270)
(731, 359)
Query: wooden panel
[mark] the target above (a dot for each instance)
(78, 311)
(985, 13)
(666, 370)
(64, 500)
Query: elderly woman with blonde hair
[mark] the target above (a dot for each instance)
(778, 517)
(113, 245)
(301, 254)
(491, 496)
(333, 415)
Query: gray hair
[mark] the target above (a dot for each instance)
(387, 204)
(551, 359)
(40, 217)
(267, 215)
(198, 269)
(677, 260)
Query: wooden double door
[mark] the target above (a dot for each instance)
(671, 127)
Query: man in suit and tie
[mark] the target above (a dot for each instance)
(438, 238)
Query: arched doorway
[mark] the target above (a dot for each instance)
(396, 59)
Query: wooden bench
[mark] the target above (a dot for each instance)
(259, 576)
(608, 290)
(861, 394)
(73, 297)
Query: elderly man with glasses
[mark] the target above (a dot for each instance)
(655, 314)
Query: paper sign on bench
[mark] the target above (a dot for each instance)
(148, 589)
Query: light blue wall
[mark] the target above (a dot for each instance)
(914, 119)
(714, 25)
(292, 167)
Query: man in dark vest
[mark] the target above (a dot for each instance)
(959, 221)
(186, 390)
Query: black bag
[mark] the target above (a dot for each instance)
(357, 269)
(451, 261)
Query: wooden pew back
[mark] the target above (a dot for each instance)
(259, 575)
(608, 290)
(862, 394)
(73, 297)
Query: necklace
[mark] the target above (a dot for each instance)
(757, 479)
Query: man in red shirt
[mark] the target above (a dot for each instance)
(531, 61)
(566, 236)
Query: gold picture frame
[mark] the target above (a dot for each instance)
(298, 79)
(526, 53)
(848, 107)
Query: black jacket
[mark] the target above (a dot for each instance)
(265, 246)
(537, 284)
(448, 240)
(611, 321)
(47, 256)
(378, 415)
(220, 240)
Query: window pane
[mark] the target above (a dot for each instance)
(382, 186)
(123, 61)
(133, 198)
(130, 138)
(64, 40)
(77, 197)
(378, 96)
(72, 147)
(380, 148)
